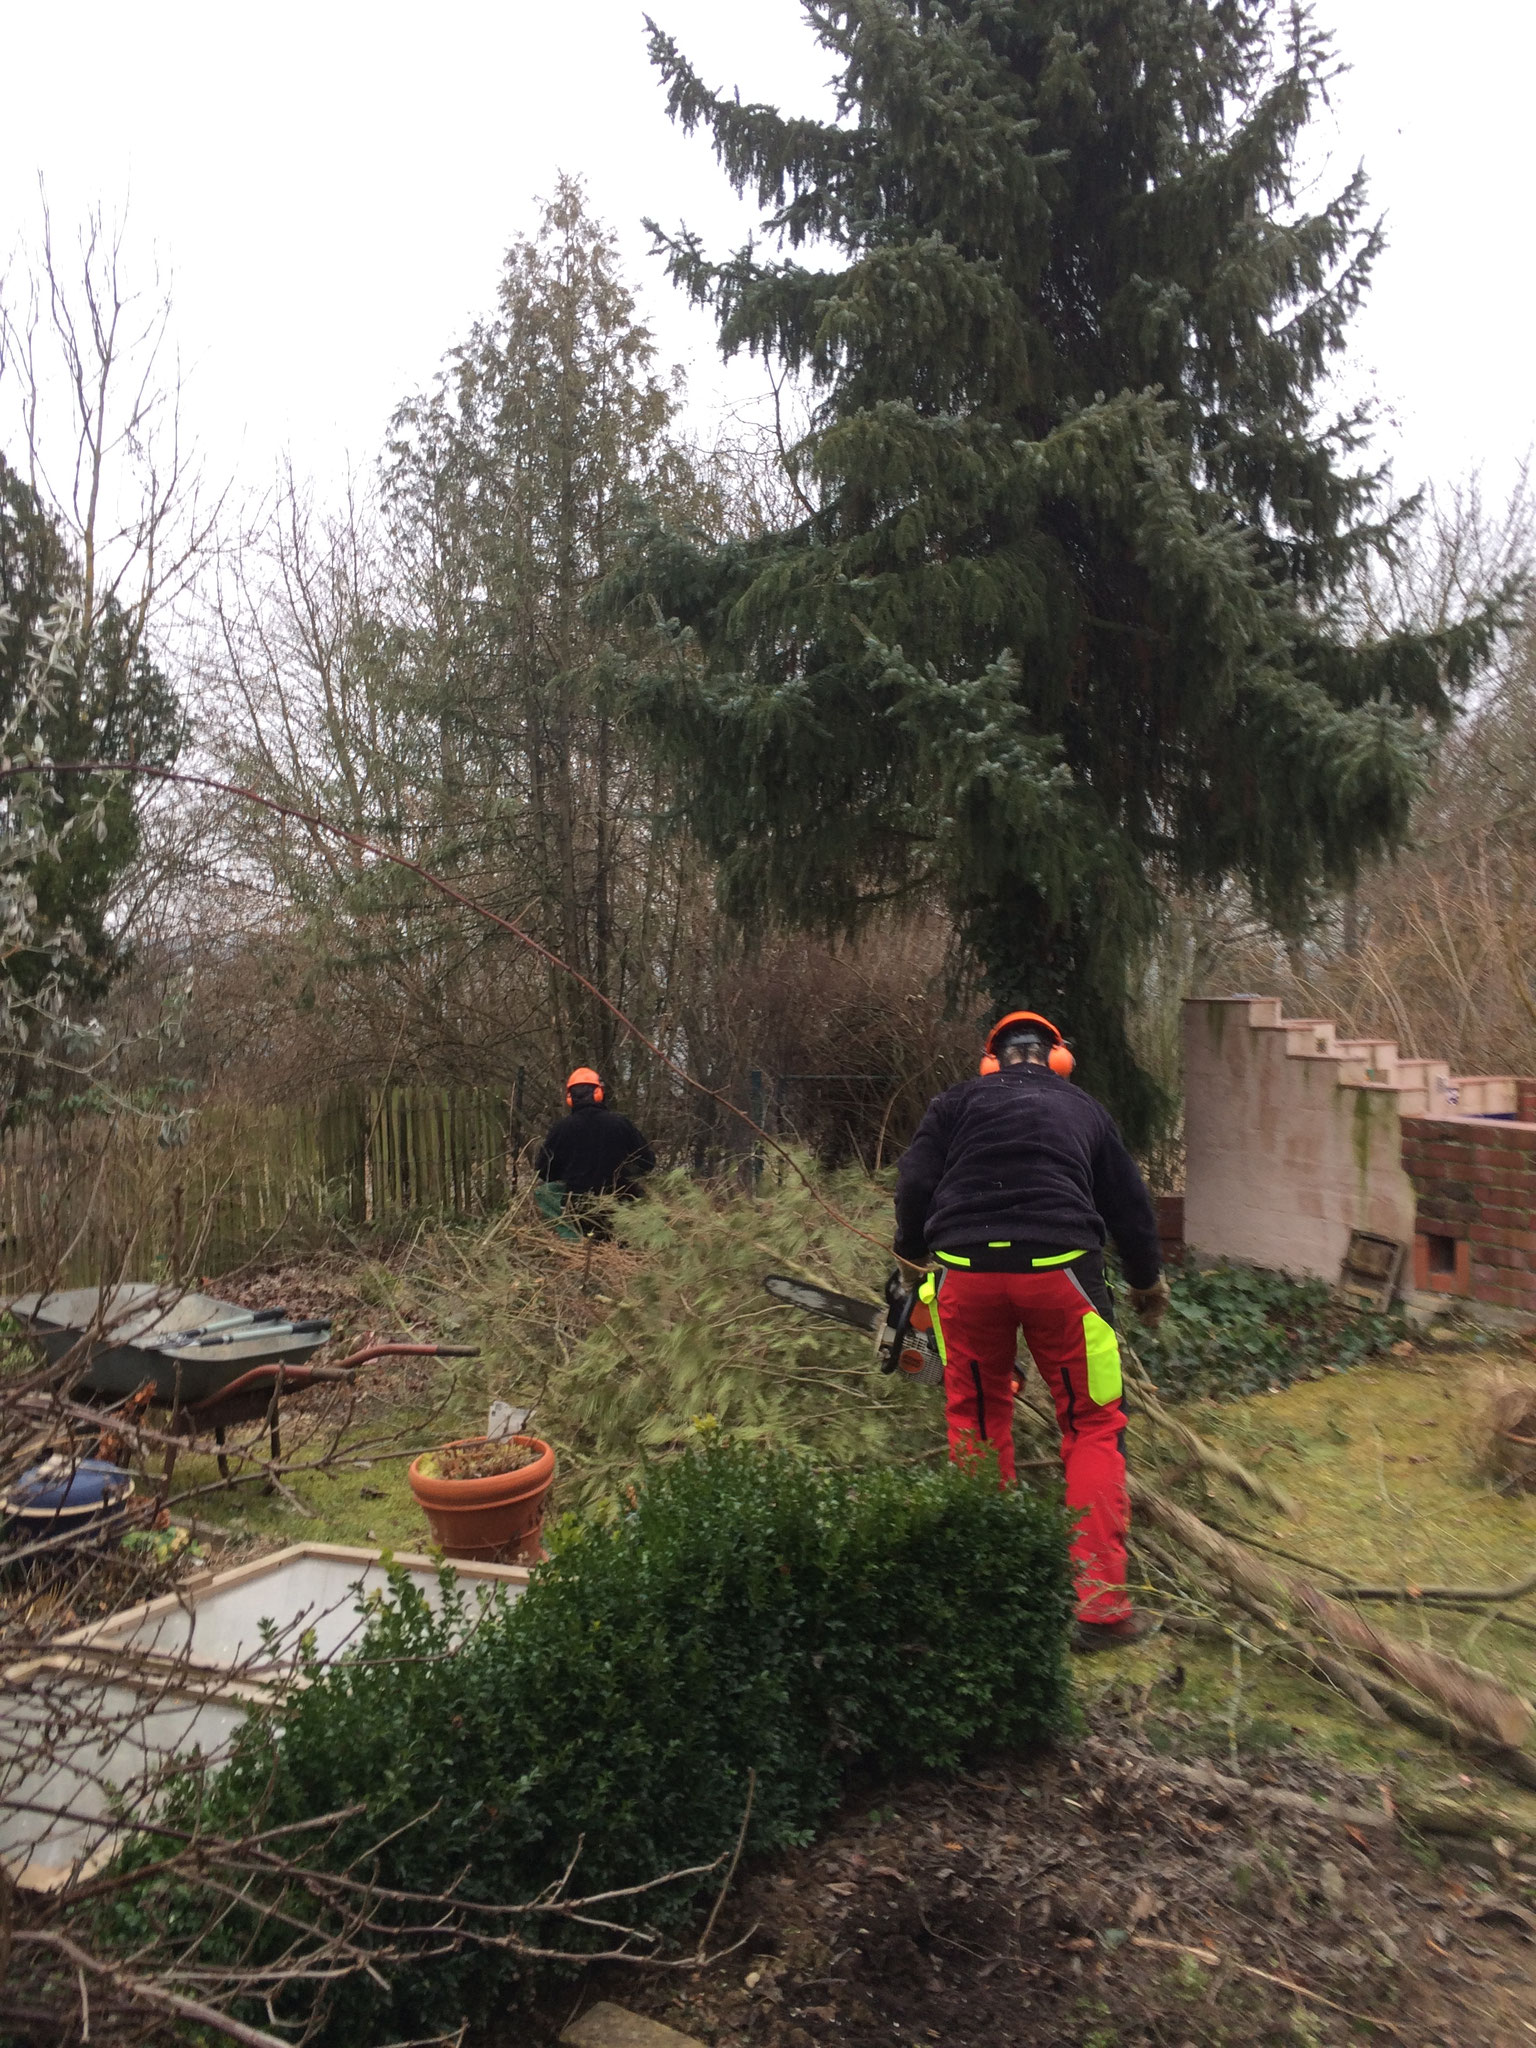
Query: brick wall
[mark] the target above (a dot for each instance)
(1525, 1101)
(1475, 1231)
(1170, 1227)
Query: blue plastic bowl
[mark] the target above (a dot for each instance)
(63, 1498)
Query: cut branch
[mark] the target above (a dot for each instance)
(142, 1991)
(1207, 1455)
(1472, 1698)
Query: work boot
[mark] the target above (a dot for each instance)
(1088, 1636)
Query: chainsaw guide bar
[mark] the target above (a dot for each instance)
(820, 1301)
(903, 1344)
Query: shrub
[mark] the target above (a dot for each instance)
(1240, 1329)
(751, 1614)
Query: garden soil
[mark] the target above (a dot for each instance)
(1105, 1896)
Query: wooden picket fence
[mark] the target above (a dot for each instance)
(443, 1149)
(94, 1197)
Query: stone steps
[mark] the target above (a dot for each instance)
(1424, 1087)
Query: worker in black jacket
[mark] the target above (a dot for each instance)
(1008, 1189)
(593, 1151)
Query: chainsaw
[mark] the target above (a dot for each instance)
(901, 1325)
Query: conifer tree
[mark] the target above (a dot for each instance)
(106, 699)
(1063, 624)
(509, 488)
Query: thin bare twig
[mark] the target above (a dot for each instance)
(709, 1925)
(1212, 1960)
(141, 1991)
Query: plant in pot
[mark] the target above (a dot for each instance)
(484, 1496)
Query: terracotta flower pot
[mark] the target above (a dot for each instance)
(497, 1519)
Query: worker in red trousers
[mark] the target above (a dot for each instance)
(1008, 1191)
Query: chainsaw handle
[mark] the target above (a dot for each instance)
(901, 1324)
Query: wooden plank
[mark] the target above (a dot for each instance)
(383, 1149)
(429, 1123)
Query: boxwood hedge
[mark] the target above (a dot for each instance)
(752, 1614)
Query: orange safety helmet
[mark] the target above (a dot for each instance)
(1059, 1060)
(584, 1077)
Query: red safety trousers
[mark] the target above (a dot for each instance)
(977, 1318)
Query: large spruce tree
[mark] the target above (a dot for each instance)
(105, 700)
(1063, 625)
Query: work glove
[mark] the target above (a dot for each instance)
(912, 1276)
(1151, 1303)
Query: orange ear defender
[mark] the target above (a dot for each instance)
(585, 1077)
(1059, 1059)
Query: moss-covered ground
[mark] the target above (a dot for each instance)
(1381, 1463)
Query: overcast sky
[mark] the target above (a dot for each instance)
(332, 186)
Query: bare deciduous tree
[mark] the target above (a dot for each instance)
(98, 410)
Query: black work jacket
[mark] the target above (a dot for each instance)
(595, 1151)
(1021, 1164)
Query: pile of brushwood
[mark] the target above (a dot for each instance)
(469, 1797)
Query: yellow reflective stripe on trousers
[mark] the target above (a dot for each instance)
(1105, 1383)
(1006, 1245)
(928, 1295)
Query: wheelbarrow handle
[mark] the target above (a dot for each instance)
(290, 1379)
(372, 1351)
